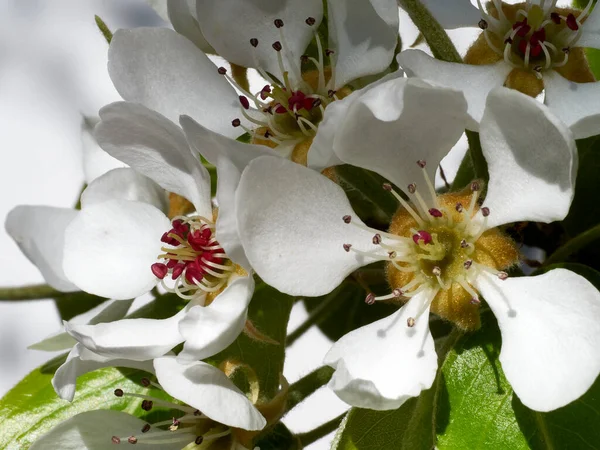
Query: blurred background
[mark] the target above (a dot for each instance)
(52, 72)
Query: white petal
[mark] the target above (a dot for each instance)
(531, 157)
(576, 104)
(65, 378)
(160, 7)
(110, 247)
(93, 430)
(290, 222)
(321, 154)
(157, 148)
(383, 364)
(590, 31)
(167, 73)
(182, 14)
(401, 121)
(550, 327)
(206, 388)
(105, 312)
(209, 329)
(96, 161)
(363, 35)
(454, 13)
(125, 184)
(230, 157)
(228, 26)
(39, 233)
(474, 81)
(135, 339)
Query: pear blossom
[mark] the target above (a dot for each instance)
(529, 47)
(442, 254)
(122, 248)
(212, 411)
(165, 72)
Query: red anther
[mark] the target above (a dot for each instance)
(377, 239)
(236, 122)
(555, 18)
(538, 37)
(222, 70)
(177, 271)
(132, 440)
(483, 24)
(467, 264)
(422, 235)
(165, 238)
(370, 299)
(265, 91)
(159, 270)
(146, 428)
(421, 163)
(172, 263)
(347, 247)
(523, 28)
(280, 109)
(198, 239)
(115, 440)
(145, 382)
(244, 102)
(118, 392)
(572, 22)
(211, 257)
(485, 211)
(254, 42)
(435, 212)
(297, 99)
(180, 228)
(193, 274)
(459, 207)
(278, 23)
(147, 405)
(347, 218)
(329, 52)
(310, 21)
(412, 188)
(475, 186)
(277, 46)
(199, 440)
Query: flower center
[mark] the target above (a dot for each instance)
(193, 260)
(440, 248)
(532, 36)
(190, 427)
(289, 108)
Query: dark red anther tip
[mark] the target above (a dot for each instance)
(435, 212)
(370, 298)
(146, 428)
(244, 102)
(330, 93)
(555, 18)
(145, 382)
(329, 52)
(222, 70)
(199, 440)
(254, 42)
(412, 188)
(485, 211)
(278, 23)
(147, 405)
(377, 239)
(422, 235)
(421, 163)
(310, 21)
(159, 270)
(236, 122)
(347, 218)
(177, 271)
(132, 440)
(483, 24)
(118, 392)
(277, 46)
(347, 247)
(572, 22)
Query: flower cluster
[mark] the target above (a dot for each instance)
(333, 93)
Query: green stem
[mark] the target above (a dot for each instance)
(315, 317)
(574, 245)
(313, 435)
(307, 385)
(440, 44)
(33, 292)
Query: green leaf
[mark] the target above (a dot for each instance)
(269, 312)
(279, 438)
(32, 407)
(71, 305)
(366, 194)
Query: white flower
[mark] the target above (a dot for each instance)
(122, 247)
(163, 71)
(545, 41)
(214, 407)
(550, 324)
